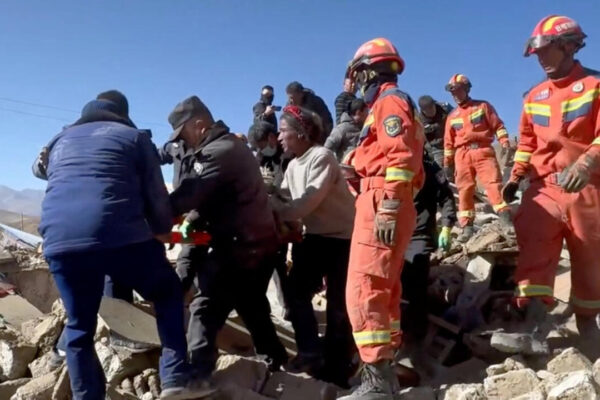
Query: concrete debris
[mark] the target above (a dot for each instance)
(510, 364)
(463, 392)
(38, 388)
(231, 391)
(43, 365)
(15, 355)
(62, 388)
(576, 386)
(245, 372)
(535, 395)
(119, 364)
(113, 393)
(570, 360)
(58, 310)
(285, 386)
(417, 393)
(490, 237)
(8, 388)
(43, 332)
(15, 310)
(510, 384)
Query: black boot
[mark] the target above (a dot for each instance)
(527, 333)
(378, 382)
(589, 335)
(466, 234)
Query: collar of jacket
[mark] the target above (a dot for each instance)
(575, 73)
(217, 130)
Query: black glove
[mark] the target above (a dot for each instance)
(449, 171)
(509, 191)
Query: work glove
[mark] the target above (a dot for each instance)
(185, 229)
(574, 178)
(444, 238)
(449, 171)
(509, 191)
(504, 149)
(385, 221)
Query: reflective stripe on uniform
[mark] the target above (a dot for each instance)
(522, 156)
(590, 304)
(596, 141)
(579, 106)
(500, 206)
(501, 133)
(366, 338)
(448, 152)
(540, 113)
(466, 214)
(533, 290)
(477, 116)
(398, 174)
(395, 326)
(456, 123)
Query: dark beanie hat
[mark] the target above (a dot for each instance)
(118, 99)
(95, 106)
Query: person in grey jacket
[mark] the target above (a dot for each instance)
(226, 190)
(344, 137)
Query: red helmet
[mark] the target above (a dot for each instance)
(458, 80)
(551, 29)
(373, 52)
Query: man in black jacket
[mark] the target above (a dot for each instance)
(306, 98)
(433, 116)
(264, 109)
(343, 100)
(435, 193)
(227, 192)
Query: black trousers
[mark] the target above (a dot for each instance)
(224, 284)
(315, 258)
(190, 257)
(415, 275)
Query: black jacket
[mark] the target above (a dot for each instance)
(258, 110)
(177, 154)
(434, 127)
(341, 105)
(316, 104)
(226, 189)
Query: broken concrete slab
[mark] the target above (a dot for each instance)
(129, 322)
(15, 355)
(42, 365)
(62, 388)
(37, 389)
(16, 309)
(570, 360)
(245, 372)
(576, 386)
(43, 332)
(473, 391)
(8, 388)
(510, 364)
(119, 364)
(34, 282)
(511, 384)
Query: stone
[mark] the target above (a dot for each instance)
(42, 365)
(230, 391)
(246, 373)
(37, 389)
(510, 364)
(113, 393)
(510, 384)
(43, 332)
(147, 396)
(576, 386)
(154, 385)
(417, 393)
(463, 392)
(58, 310)
(535, 395)
(35, 284)
(16, 309)
(128, 322)
(286, 386)
(120, 364)
(15, 355)
(570, 360)
(545, 375)
(140, 385)
(482, 240)
(62, 389)
(8, 388)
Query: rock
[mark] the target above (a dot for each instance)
(15, 355)
(285, 386)
(147, 396)
(545, 375)
(483, 239)
(570, 360)
(536, 395)
(41, 366)
(132, 325)
(58, 310)
(120, 364)
(113, 393)
(510, 384)
(230, 391)
(140, 386)
(43, 332)
(596, 371)
(464, 392)
(417, 393)
(37, 389)
(16, 309)
(510, 364)
(577, 386)
(154, 385)
(245, 372)
(9, 388)
(127, 385)
(62, 389)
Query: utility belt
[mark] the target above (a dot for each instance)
(378, 182)
(474, 145)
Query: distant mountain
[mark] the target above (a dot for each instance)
(22, 222)
(28, 201)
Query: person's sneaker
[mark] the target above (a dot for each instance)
(194, 389)
(311, 364)
(55, 360)
(378, 382)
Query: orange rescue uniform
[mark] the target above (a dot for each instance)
(470, 131)
(559, 124)
(389, 163)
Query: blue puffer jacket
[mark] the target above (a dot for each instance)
(105, 189)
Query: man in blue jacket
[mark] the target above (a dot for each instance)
(105, 203)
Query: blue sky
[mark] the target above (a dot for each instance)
(61, 53)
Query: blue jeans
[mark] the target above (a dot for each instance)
(80, 281)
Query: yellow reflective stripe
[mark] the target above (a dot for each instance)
(398, 174)
(537, 109)
(501, 133)
(466, 214)
(533, 290)
(522, 156)
(500, 206)
(596, 141)
(372, 337)
(577, 102)
(476, 114)
(395, 325)
(456, 121)
(448, 152)
(369, 121)
(591, 304)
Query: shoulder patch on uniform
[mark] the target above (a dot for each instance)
(393, 125)
(198, 167)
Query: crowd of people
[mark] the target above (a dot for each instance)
(352, 203)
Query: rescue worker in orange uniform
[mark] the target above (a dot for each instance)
(389, 163)
(470, 131)
(559, 150)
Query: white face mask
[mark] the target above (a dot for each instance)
(268, 151)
